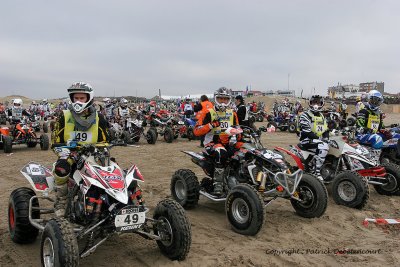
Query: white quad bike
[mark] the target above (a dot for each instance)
(349, 167)
(102, 200)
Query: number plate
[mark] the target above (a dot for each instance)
(129, 218)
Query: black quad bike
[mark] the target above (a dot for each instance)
(253, 178)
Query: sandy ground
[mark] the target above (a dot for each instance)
(285, 240)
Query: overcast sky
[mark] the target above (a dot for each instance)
(188, 46)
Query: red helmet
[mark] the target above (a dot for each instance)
(153, 103)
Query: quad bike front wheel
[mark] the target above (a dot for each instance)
(245, 210)
(351, 121)
(45, 127)
(44, 142)
(168, 135)
(185, 188)
(392, 186)
(174, 229)
(151, 136)
(59, 246)
(350, 189)
(21, 230)
(313, 197)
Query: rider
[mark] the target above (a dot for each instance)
(108, 109)
(213, 124)
(45, 108)
(17, 111)
(314, 132)
(123, 111)
(360, 102)
(80, 122)
(188, 108)
(369, 122)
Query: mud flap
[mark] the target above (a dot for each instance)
(40, 178)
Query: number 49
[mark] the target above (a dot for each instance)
(131, 218)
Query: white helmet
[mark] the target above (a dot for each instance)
(107, 100)
(123, 102)
(316, 102)
(83, 88)
(45, 101)
(222, 92)
(375, 99)
(33, 102)
(17, 101)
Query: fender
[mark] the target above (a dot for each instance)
(298, 161)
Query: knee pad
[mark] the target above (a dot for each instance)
(221, 155)
(62, 170)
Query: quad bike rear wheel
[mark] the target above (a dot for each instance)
(174, 229)
(313, 197)
(7, 144)
(292, 127)
(59, 246)
(392, 187)
(245, 210)
(350, 189)
(185, 188)
(21, 230)
(351, 121)
(190, 134)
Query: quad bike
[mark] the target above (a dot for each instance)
(184, 127)
(283, 122)
(135, 129)
(253, 178)
(118, 135)
(22, 133)
(259, 115)
(35, 124)
(334, 120)
(349, 167)
(161, 126)
(102, 200)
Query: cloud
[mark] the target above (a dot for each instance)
(193, 47)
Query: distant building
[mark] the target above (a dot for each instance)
(236, 93)
(366, 87)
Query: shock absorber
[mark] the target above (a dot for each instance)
(261, 178)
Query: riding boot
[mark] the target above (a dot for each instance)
(318, 165)
(218, 181)
(61, 199)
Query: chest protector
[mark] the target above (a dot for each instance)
(319, 125)
(373, 122)
(225, 118)
(16, 112)
(124, 112)
(109, 111)
(90, 136)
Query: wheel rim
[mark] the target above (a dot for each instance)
(347, 191)
(11, 217)
(48, 252)
(240, 210)
(306, 196)
(180, 190)
(165, 231)
(392, 183)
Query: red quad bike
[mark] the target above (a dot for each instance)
(102, 200)
(253, 178)
(23, 134)
(349, 167)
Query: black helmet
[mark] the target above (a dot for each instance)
(316, 102)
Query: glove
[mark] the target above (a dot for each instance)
(215, 123)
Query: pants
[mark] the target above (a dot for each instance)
(220, 153)
(321, 151)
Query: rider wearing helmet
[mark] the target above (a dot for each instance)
(213, 124)
(314, 132)
(123, 110)
(82, 123)
(369, 122)
(16, 112)
(108, 110)
(360, 102)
